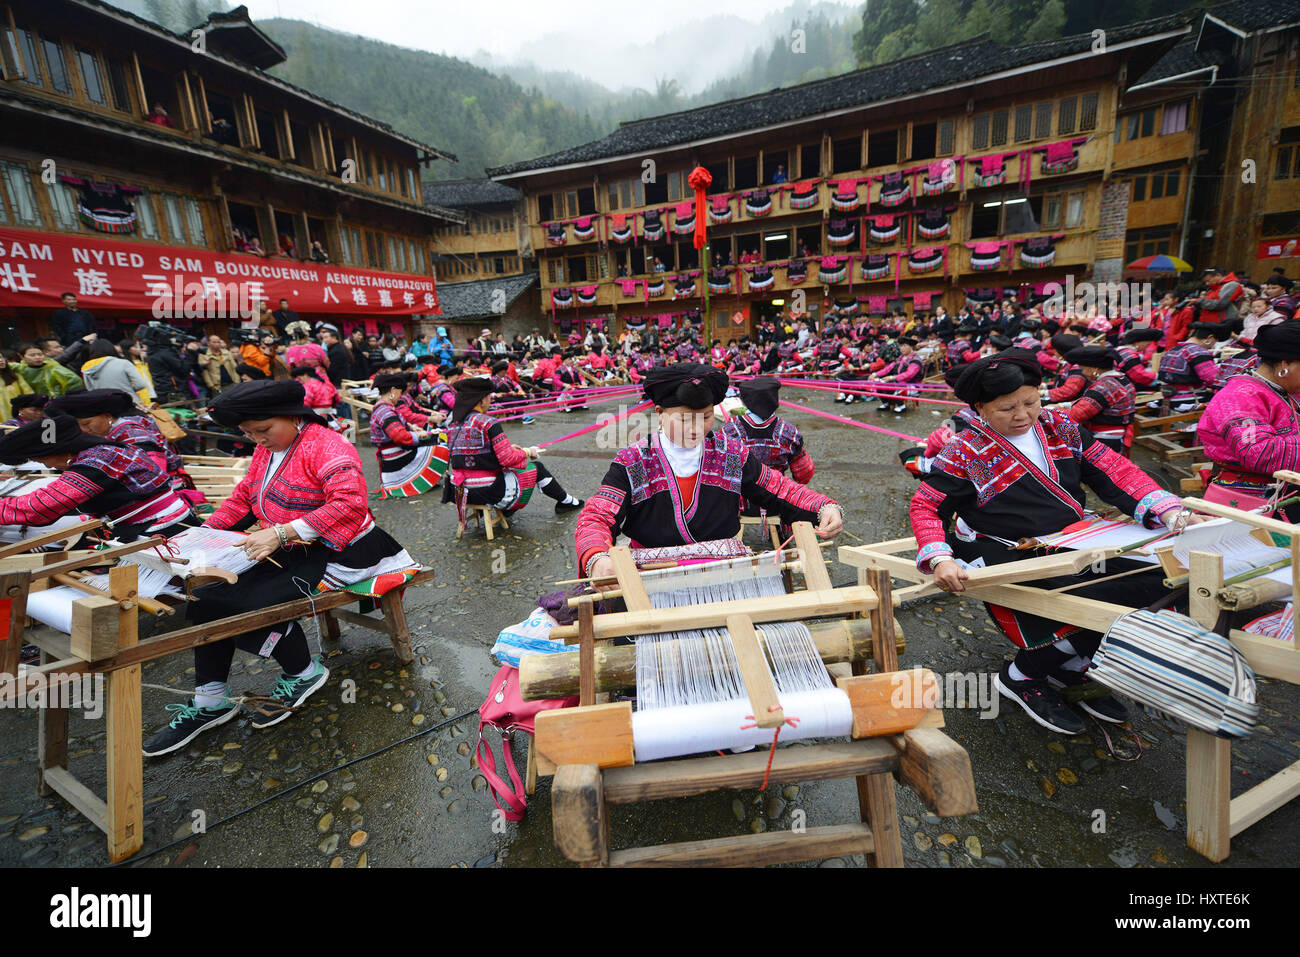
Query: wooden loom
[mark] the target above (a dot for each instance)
(1213, 816)
(105, 641)
(589, 748)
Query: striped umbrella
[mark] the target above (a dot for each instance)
(1159, 263)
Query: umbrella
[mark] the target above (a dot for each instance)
(1159, 263)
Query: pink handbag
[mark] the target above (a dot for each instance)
(508, 712)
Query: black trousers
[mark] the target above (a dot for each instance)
(261, 586)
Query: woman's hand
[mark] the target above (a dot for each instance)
(261, 544)
(949, 576)
(437, 418)
(832, 521)
(602, 567)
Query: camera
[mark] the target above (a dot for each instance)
(157, 335)
(241, 336)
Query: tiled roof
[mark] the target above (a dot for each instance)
(1251, 15)
(961, 63)
(462, 193)
(1184, 58)
(473, 300)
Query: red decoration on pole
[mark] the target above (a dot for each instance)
(700, 180)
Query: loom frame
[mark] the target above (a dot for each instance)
(589, 751)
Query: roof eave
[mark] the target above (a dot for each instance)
(1212, 70)
(987, 78)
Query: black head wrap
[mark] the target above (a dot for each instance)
(1096, 357)
(469, 393)
(1064, 342)
(252, 372)
(761, 396)
(993, 376)
(296, 371)
(1214, 329)
(999, 341)
(391, 380)
(1279, 342)
(87, 405)
(37, 439)
(262, 399)
(1142, 335)
(688, 384)
(1277, 279)
(29, 400)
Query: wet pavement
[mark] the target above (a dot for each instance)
(412, 796)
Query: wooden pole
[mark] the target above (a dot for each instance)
(1209, 758)
(125, 817)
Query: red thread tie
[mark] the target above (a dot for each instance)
(776, 736)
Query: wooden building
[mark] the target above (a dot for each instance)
(138, 164)
(1159, 154)
(493, 240)
(1253, 182)
(971, 172)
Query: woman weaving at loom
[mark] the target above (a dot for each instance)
(1251, 428)
(1018, 472)
(111, 414)
(306, 489)
(486, 469)
(101, 478)
(684, 484)
(410, 462)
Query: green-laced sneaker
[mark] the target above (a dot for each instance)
(187, 723)
(292, 692)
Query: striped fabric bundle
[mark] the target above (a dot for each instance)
(1279, 625)
(1169, 662)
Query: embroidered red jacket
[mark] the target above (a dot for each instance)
(319, 480)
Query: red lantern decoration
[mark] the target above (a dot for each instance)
(700, 180)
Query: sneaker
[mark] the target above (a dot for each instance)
(850, 399)
(839, 397)
(291, 693)
(527, 420)
(186, 724)
(1040, 701)
(1106, 708)
(898, 409)
(561, 508)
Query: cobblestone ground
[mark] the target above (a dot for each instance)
(423, 803)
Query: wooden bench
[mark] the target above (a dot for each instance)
(105, 641)
(773, 523)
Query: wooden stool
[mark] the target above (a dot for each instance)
(487, 516)
(773, 523)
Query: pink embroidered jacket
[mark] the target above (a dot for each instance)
(1251, 429)
(319, 480)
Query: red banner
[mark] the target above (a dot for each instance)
(1279, 248)
(171, 282)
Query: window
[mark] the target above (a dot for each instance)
(924, 141)
(1052, 211)
(1175, 118)
(998, 137)
(117, 85)
(1148, 242)
(58, 67)
(947, 135)
(1139, 125)
(675, 187)
(1074, 208)
(1024, 123)
(980, 132)
(882, 148)
(1063, 210)
(145, 218)
(1043, 120)
(810, 160)
(846, 155)
(1088, 112)
(22, 201)
(92, 80)
(1139, 192)
(1287, 165)
(1280, 224)
(345, 247)
(31, 64)
(1065, 115)
(172, 214)
(65, 208)
(194, 221)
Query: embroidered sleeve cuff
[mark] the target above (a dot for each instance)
(1154, 504)
(926, 557)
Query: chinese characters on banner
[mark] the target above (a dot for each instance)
(36, 268)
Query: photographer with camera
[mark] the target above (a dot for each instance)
(169, 372)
